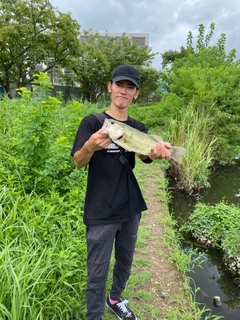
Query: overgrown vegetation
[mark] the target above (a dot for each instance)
(42, 250)
(42, 237)
(217, 226)
(206, 81)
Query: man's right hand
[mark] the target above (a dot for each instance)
(97, 141)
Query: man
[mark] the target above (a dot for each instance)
(113, 202)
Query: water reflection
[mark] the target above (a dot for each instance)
(214, 280)
(225, 184)
(212, 277)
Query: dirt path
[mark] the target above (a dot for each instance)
(165, 280)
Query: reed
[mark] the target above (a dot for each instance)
(193, 129)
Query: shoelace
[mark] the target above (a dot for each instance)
(123, 308)
(129, 315)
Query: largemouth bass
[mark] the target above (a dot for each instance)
(134, 140)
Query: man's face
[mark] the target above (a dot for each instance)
(122, 93)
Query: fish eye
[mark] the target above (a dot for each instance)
(112, 122)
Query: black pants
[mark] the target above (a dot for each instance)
(100, 240)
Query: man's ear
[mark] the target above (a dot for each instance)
(109, 86)
(136, 94)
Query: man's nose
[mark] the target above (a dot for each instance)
(124, 89)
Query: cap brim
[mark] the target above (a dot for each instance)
(116, 79)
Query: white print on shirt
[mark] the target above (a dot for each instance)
(112, 147)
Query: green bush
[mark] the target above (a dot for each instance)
(36, 139)
(230, 243)
(212, 225)
(210, 80)
(150, 115)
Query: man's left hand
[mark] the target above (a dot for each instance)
(162, 151)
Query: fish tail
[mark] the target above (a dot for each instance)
(177, 154)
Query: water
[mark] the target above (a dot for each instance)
(225, 184)
(212, 278)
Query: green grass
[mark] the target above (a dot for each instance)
(41, 271)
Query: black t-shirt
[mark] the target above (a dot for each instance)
(113, 194)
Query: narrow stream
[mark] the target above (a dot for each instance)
(211, 277)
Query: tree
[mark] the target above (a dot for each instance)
(213, 56)
(149, 83)
(170, 56)
(100, 56)
(209, 80)
(33, 32)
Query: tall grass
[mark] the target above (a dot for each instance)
(27, 274)
(193, 129)
(42, 257)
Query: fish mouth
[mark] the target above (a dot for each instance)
(120, 137)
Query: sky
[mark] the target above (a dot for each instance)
(167, 22)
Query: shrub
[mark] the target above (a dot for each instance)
(212, 225)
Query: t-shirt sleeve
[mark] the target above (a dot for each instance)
(86, 128)
(139, 126)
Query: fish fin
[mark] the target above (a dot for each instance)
(157, 138)
(177, 154)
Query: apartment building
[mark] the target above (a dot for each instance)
(141, 38)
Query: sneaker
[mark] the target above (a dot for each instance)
(121, 310)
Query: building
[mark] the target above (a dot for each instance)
(141, 38)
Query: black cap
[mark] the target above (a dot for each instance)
(126, 72)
